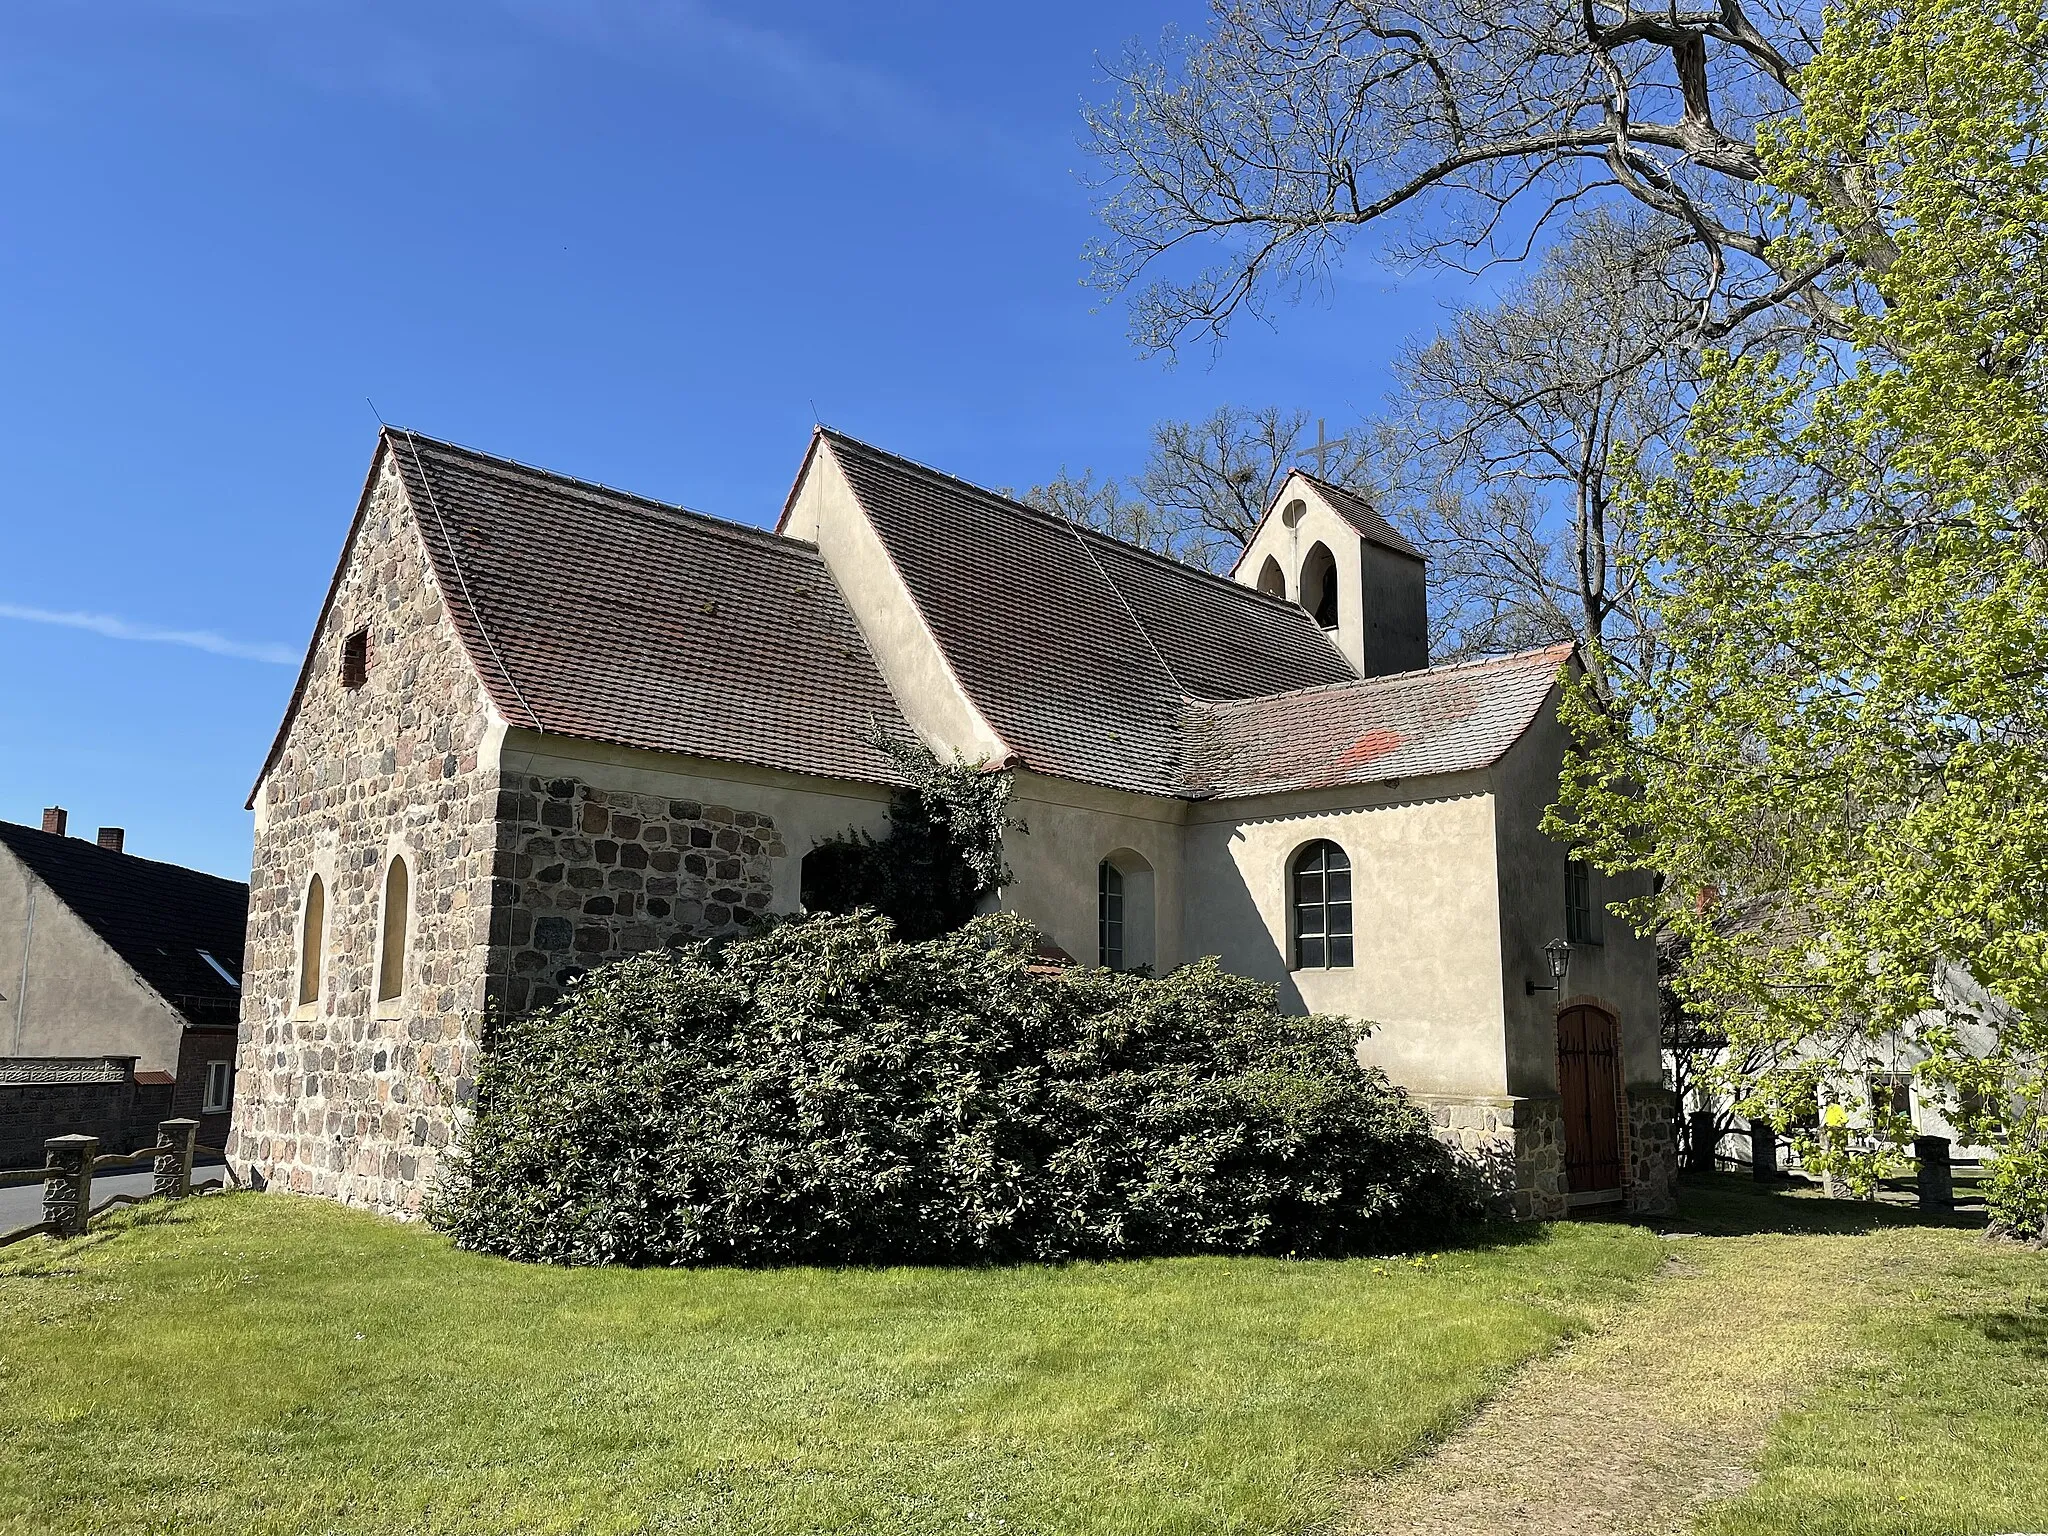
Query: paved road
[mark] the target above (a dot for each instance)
(23, 1203)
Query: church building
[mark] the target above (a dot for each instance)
(543, 724)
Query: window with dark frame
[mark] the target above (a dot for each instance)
(1891, 1093)
(220, 1082)
(1109, 915)
(1582, 914)
(355, 659)
(1322, 908)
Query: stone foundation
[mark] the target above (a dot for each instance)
(1513, 1148)
(1652, 1130)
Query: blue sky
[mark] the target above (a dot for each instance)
(641, 242)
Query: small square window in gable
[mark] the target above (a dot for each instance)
(355, 659)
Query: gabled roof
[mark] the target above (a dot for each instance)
(156, 917)
(1080, 650)
(591, 613)
(1405, 725)
(1362, 516)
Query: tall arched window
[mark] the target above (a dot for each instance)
(1272, 581)
(312, 941)
(1319, 585)
(391, 950)
(1322, 907)
(1109, 915)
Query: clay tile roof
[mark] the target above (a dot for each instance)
(1361, 515)
(593, 613)
(156, 917)
(1443, 720)
(1081, 651)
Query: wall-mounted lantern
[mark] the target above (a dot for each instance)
(1559, 954)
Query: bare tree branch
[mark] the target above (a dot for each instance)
(1292, 124)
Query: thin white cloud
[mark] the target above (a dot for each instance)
(120, 629)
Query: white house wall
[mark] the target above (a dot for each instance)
(80, 997)
(1072, 828)
(1619, 974)
(1426, 926)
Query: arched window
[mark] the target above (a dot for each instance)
(391, 949)
(1272, 581)
(312, 940)
(1319, 585)
(1109, 915)
(1322, 907)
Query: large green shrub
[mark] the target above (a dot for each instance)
(824, 1094)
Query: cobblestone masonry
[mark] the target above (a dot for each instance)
(1652, 1150)
(1514, 1147)
(342, 1098)
(516, 888)
(588, 875)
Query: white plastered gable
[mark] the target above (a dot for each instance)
(824, 511)
(1301, 543)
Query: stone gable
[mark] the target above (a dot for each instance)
(350, 1099)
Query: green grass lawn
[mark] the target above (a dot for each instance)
(1933, 1419)
(269, 1364)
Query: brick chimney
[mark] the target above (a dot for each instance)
(53, 820)
(113, 837)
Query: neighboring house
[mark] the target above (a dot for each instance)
(119, 989)
(1878, 1079)
(543, 724)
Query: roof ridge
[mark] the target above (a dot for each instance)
(599, 488)
(1560, 649)
(1401, 544)
(1011, 502)
(71, 844)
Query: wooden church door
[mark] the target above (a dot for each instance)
(1589, 1083)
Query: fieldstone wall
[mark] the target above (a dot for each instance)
(1652, 1129)
(587, 874)
(347, 1098)
(1514, 1148)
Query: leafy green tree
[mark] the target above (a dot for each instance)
(1848, 747)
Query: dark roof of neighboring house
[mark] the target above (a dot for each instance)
(1361, 515)
(1405, 725)
(1081, 651)
(592, 613)
(156, 917)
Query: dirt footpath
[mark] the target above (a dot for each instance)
(1633, 1431)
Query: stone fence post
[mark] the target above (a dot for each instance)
(1763, 1151)
(67, 1183)
(173, 1169)
(1702, 1141)
(1937, 1179)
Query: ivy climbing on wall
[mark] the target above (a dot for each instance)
(942, 853)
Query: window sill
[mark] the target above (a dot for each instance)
(305, 1011)
(388, 1008)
